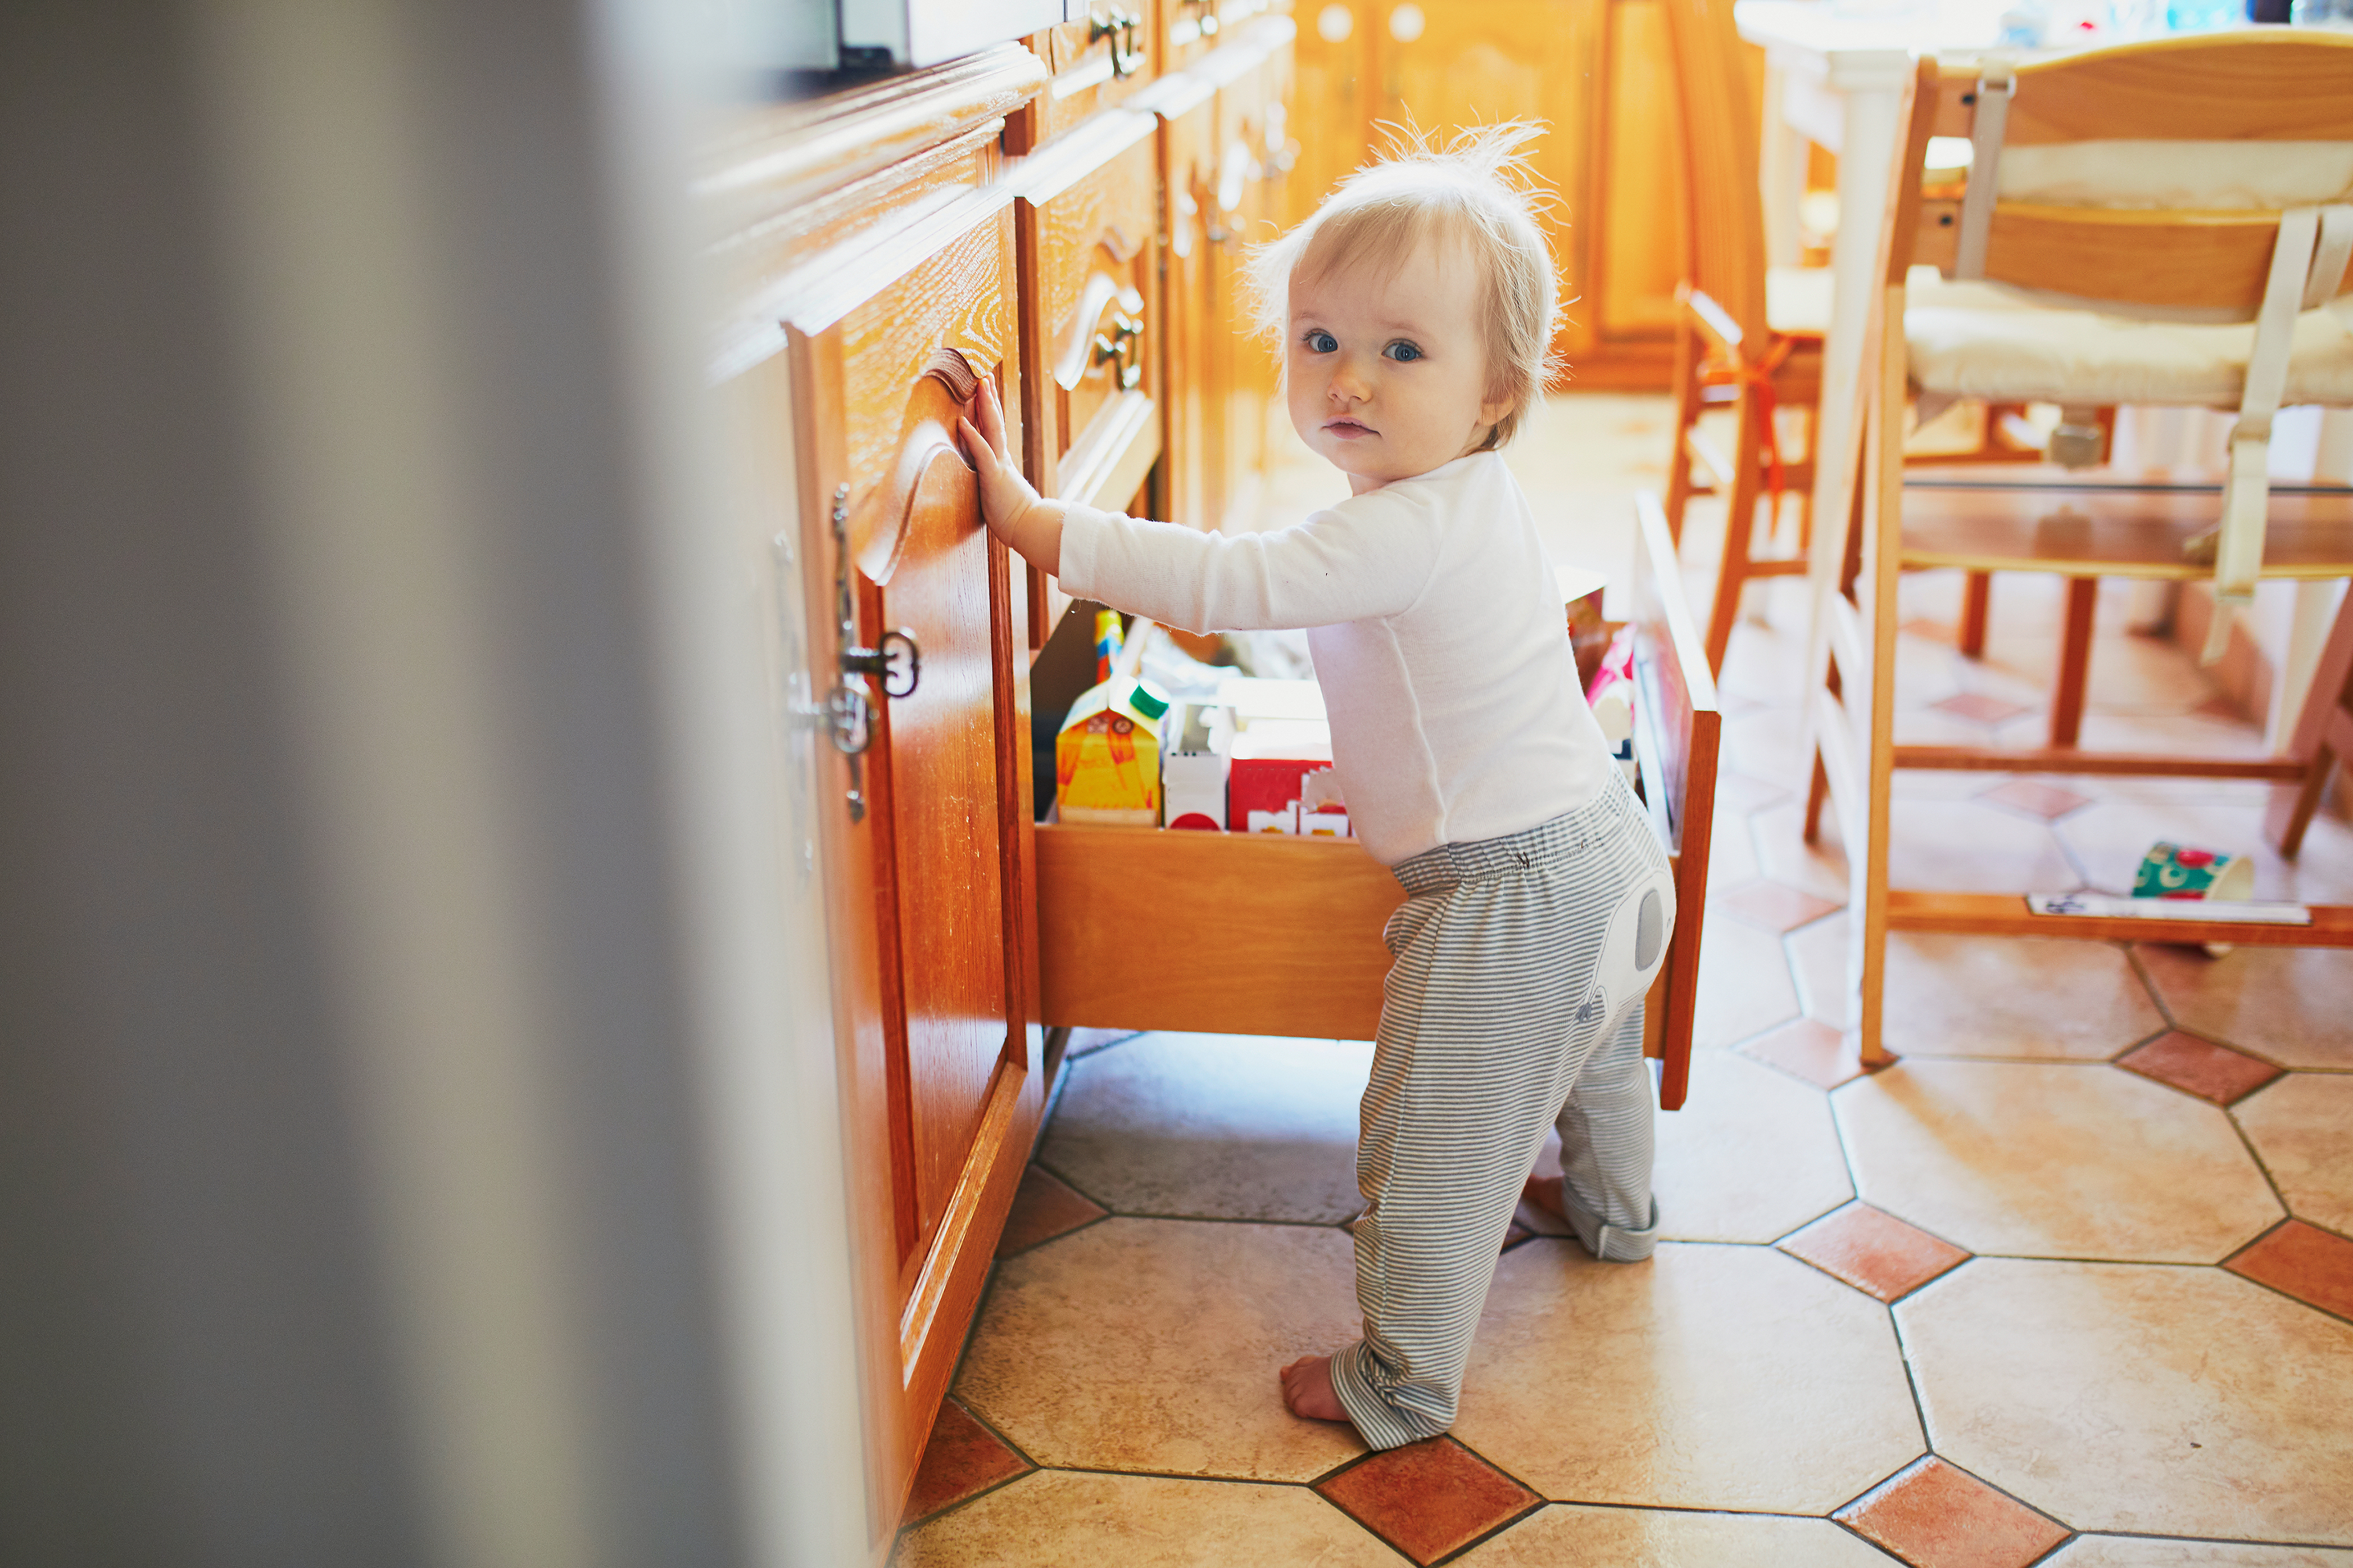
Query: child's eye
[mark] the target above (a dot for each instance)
(1402, 352)
(1320, 342)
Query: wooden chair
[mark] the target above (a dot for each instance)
(1259, 935)
(2217, 89)
(1750, 336)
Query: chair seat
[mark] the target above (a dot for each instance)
(2046, 523)
(1798, 301)
(1982, 341)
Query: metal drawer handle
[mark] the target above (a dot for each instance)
(1123, 347)
(1127, 57)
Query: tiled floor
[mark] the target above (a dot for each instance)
(2070, 1284)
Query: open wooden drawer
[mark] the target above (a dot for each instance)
(1257, 934)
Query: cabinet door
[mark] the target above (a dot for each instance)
(1192, 465)
(1641, 247)
(1241, 363)
(935, 965)
(1472, 62)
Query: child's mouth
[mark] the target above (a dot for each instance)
(1349, 429)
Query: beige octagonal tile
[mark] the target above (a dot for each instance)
(1964, 847)
(1567, 1536)
(1744, 985)
(2142, 1552)
(1141, 1344)
(2303, 1128)
(1214, 1127)
(1740, 1119)
(2290, 1004)
(1055, 1519)
(1710, 1377)
(2141, 1399)
(2014, 996)
(2047, 1161)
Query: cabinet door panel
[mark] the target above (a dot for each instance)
(940, 750)
(934, 853)
(1193, 465)
(1641, 244)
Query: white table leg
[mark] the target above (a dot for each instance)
(1868, 143)
(1781, 174)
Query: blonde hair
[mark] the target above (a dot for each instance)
(1476, 189)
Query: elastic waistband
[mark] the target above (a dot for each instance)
(1565, 837)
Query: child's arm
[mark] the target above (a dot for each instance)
(1367, 558)
(1030, 525)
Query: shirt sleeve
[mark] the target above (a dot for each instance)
(1367, 558)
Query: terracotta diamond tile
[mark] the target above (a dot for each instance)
(1775, 906)
(1977, 708)
(964, 1458)
(2200, 1066)
(1807, 1049)
(1873, 1251)
(1935, 1515)
(1043, 1208)
(1931, 631)
(1427, 1498)
(2036, 799)
(2306, 1262)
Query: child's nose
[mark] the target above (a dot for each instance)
(1350, 382)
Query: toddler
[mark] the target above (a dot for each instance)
(1416, 309)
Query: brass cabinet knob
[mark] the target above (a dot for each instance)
(1123, 346)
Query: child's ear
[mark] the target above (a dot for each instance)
(1491, 412)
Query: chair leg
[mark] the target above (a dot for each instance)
(2075, 663)
(1687, 409)
(2323, 736)
(1739, 526)
(1806, 497)
(1976, 600)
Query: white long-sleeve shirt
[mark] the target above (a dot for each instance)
(1438, 635)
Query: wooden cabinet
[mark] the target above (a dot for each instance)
(1597, 71)
(883, 249)
(886, 295)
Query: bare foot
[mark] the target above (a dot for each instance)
(1307, 1389)
(1545, 1193)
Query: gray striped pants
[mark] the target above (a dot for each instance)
(1514, 1003)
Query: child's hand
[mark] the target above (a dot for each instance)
(1026, 521)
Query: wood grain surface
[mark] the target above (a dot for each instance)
(1219, 932)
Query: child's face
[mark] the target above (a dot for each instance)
(1386, 376)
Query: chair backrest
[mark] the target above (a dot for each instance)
(2149, 177)
(1726, 231)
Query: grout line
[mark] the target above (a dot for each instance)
(1859, 1535)
(1911, 1383)
(2256, 1155)
(2149, 984)
(1041, 1164)
(1530, 1512)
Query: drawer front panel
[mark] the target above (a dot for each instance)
(1097, 63)
(1097, 287)
(1215, 932)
